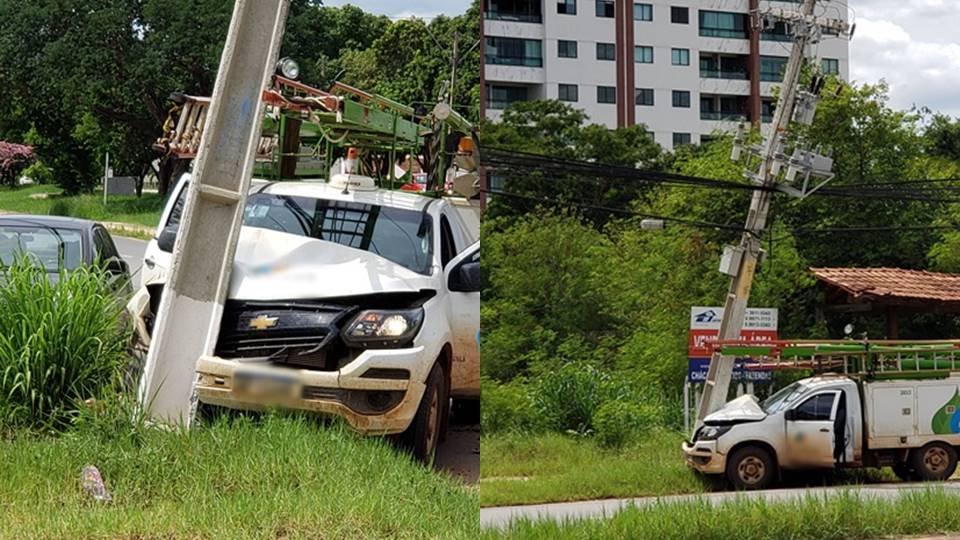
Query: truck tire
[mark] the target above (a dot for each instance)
(422, 436)
(935, 461)
(751, 468)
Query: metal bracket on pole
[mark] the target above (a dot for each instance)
(188, 319)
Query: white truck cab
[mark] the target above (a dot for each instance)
(345, 300)
(833, 421)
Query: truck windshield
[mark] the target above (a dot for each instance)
(780, 400)
(401, 236)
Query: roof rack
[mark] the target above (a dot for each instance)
(873, 359)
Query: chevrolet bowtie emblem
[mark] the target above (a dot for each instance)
(262, 322)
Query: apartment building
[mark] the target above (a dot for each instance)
(683, 68)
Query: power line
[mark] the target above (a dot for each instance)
(719, 226)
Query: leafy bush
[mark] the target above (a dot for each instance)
(39, 173)
(568, 397)
(619, 421)
(62, 343)
(14, 158)
(60, 207)
(506, 407)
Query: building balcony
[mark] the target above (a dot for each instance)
(723, 74)
(720, 116)
(491, 15)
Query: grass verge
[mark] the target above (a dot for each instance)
(274, 477)
(143, 211)
(528, 469)
(845, 516)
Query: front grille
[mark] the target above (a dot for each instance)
(295, 333)
(319, 392)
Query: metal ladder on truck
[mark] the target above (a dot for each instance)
(870, 359)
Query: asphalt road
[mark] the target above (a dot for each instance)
(131, 250)
(459, 455)
(500, 517)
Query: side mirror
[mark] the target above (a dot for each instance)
(790, 415)
(466, 277)
(167, 238)
(118, 266)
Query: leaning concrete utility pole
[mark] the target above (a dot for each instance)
(188, 319)
(740, 262)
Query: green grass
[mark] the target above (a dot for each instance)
(276, 477)
(144, 211)
(527, 469)
(846, 516)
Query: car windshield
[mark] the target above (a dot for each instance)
(401, 236)
(53, 248)
(780, 400)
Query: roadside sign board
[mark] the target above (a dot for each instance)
(760, 324)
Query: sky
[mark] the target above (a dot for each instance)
(912, 44)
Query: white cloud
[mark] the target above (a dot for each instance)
(920, 62)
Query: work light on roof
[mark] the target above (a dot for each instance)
(288, 68)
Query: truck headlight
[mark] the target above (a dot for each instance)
(711, 433)
(383, 329)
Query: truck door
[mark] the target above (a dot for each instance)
(810, 431)
(463, 283)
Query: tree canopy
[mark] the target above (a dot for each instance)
(79, 78)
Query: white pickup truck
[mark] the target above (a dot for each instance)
(833, 421)
(345, 300)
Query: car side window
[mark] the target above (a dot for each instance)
(816, 408)
(175, 213)
(448, 247)
(104, 245)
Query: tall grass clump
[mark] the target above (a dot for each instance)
(61, 343)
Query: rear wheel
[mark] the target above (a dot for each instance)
(422, 436)
(750, 468)
(935, 461)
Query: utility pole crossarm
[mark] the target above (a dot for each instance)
(740, 262)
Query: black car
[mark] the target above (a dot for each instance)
(61, 243)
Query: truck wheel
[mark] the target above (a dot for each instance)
(935, 461)
(422, 436)
(750, 468)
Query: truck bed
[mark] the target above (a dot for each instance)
(911, 413)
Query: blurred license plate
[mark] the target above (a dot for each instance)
(265, 386)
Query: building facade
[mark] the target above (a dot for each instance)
(683, 68)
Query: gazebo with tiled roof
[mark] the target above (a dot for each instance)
(890, 291)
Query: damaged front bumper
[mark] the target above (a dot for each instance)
(377, 393)
(703, 457)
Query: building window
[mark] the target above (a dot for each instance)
(514, 10)
(606, 51)
(723, 24)
(680, 57)
(500, 97)
(767, 108)
(830, 66)
(642, 12)
(723, 67)
(605, 8)
(567, 7)
(643, 54)
(778, 33)
(568, 92)
(679, 15)
(680, 139)
(645, 97)
(606, 94)
(506, 51)
(566, 49)
(681, 98)
(772, 68)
